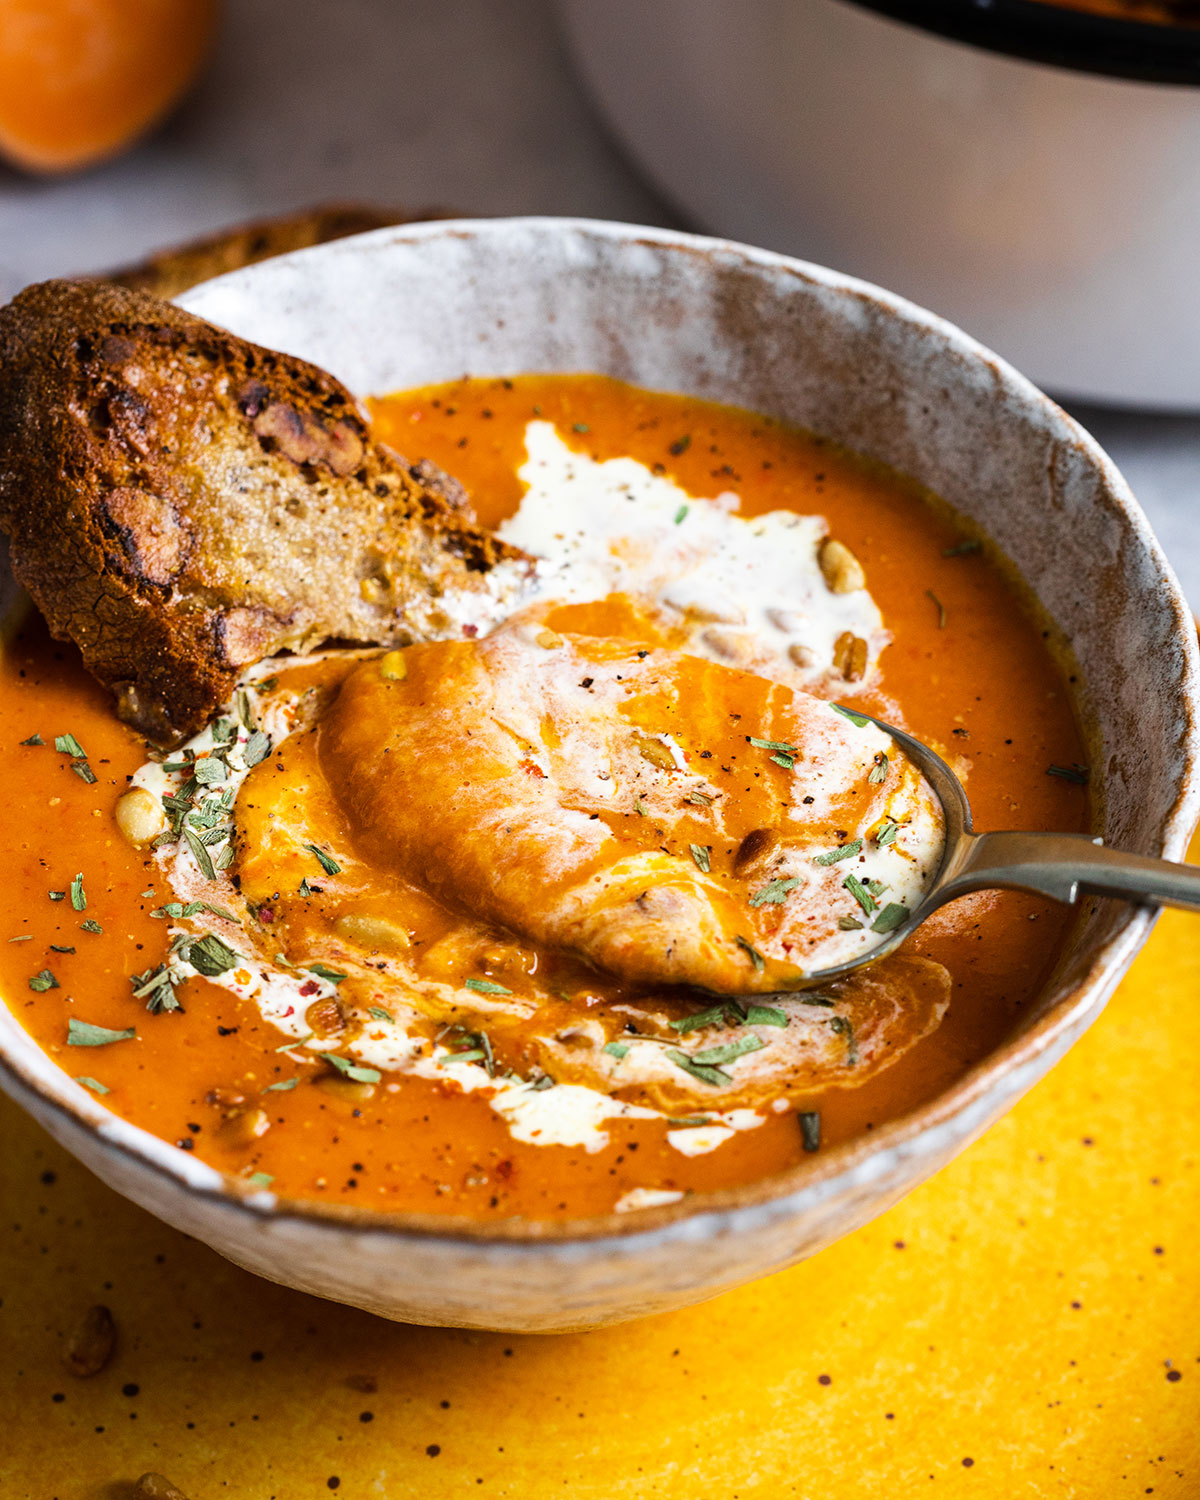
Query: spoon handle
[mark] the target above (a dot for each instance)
(1064, 865)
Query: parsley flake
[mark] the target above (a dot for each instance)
(728, 1052)
(377, 1013)
(260, 1179)
(486, 987)
(78, 898)
(616, 1049)
(67, 744)
(681, 514)
(92, 1083)
(765, 1015)
(774, 893)
(43, 981)
(842, 1027)
(84, 1034)
(751, 951)
(712, 1075)
(892, 915)
(349, 1069)
(334, 976)
(282, 1086)
(258, 747)
(700, 857)
(860, 893)
(210, 956)
(860, 721)
(34, 739)
(810, 1129)
(844, 851)
(879, 771)
(326, 861)
(887, 834)
(91, 925)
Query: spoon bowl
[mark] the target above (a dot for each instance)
(1061, 866)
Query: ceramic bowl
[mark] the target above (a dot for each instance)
(424, 303)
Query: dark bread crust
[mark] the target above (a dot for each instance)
(181, 503)
(167, 273)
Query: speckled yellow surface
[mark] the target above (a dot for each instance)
(1027, 1324)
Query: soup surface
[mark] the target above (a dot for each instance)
(353, 967)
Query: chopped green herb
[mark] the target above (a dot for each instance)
(713, 1057)
(751, 951)
(210, 771)
(963, 549)
(25, 937)
(258, 747)
(717, 1077)
(860, 893)
(67, 744)
(876, 887)
(260, 1179)
(223, 731)
(486, 987)
(281, 1087)
(475, 1054)
(78, 898)
(210, 956)
(700, 857)
(681, 514)
(892, 915)
(580, 427)
(810, 1129)
(58, 948)
(845, 851)
(941, 608)
(811, 997)
(860, 721)
(200, 854)
(765, 1015)
(334, 976)
(681, 445)
(842, 1027)
(157, 987)
(689, 1122)
(879, 771)
(84, 1034)
(713, 1016)
(92, 1083)
(377, 1013)
(34, 739)
(615, 1049)
(305, 888)
(774, 893)
(43, 981)
(299, 1042)
(57, 895)
(327, 863)
(701, 799)
(781, 758)
(544, 1082)
(349, 1069)
(849, 924)
(84, 771)
(887, 834)
(774, 745)
(90, 925)
(192, 908)
(641, 809)
(1079, 775)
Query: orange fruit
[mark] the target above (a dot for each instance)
(81, 79)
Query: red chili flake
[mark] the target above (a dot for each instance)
(309, 987)
(470, 631)
(291, 1011)
(531, 768)
(265, 914)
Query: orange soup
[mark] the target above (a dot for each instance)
(160, 998)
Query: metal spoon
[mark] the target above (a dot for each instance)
(1059, 865)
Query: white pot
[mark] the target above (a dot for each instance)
(1054, 213)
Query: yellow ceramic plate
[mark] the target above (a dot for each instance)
(1026, 1324)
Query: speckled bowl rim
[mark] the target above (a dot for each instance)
(862, 1162)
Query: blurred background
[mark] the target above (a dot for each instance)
(1038, 183)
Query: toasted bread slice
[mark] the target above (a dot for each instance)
(169, 272)
(181, 503)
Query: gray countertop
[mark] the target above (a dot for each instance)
(467, 104)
